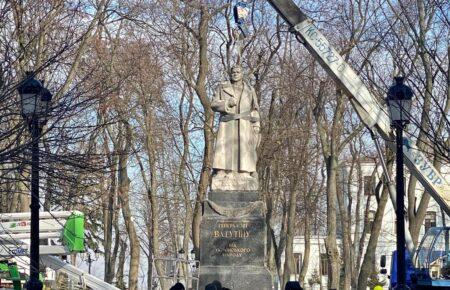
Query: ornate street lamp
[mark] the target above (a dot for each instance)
(35, 100)
(35, 104)
(399, 100)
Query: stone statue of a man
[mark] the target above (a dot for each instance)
(238, 136)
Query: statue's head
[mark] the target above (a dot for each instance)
(236, 73)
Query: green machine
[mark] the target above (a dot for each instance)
(73, 234)
(64, 232)
(9, 271)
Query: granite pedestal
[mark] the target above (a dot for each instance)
(233, 241)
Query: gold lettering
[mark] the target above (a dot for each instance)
(233, 225)
(233, 251)
(231, 234)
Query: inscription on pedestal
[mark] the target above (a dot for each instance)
(232, 242)
(236, 231)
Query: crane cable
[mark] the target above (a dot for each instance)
(241, 12)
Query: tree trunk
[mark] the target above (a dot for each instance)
(346, 241)
(307, 250)
(21, 198)
(282, 242)
(334, 265)
(184, 128)
(200, 89)
(149, 261)
(124, 188)
(121, 264)
(356, 237)
(109, 213)
(150, 145)
(330, 139)
(367, 266)
(289, 267)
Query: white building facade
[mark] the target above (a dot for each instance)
(364, 186)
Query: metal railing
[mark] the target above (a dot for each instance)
(168, 271)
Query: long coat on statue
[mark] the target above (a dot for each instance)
(238, 135)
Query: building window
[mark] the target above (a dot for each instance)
(323, 264)
(298, 262)
(430, 220)
(368, 188)
(370, 220)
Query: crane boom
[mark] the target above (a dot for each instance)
(76, 274)
(370, 111)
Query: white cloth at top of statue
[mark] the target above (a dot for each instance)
(237, 139)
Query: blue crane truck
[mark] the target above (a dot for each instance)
(429, 267)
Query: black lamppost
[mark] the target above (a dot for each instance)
(399, 100)
(35, 103)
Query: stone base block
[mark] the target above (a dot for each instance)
(223, 197)
(237, 278)
(233, 240)
(234, 181)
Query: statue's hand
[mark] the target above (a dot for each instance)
(231, 102)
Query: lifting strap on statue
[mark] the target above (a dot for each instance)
(240, 12)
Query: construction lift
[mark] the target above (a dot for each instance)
(61, 234)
